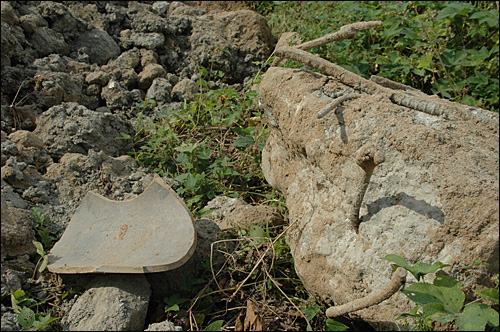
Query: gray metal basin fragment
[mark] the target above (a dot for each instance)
(153, 232)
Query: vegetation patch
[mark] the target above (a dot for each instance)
(447, 48)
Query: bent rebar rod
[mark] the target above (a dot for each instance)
(397, 280)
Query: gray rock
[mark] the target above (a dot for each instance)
(151, 40)
(11, 281)
(70, 127)
(29, 149)
(112, 302)
(60, 18)
(160, 91)
(47, 41)
(234, 213)
(9, 322)
(163, 326)
(128, 59)
(13, 170)
(56, 87)
(147, 21)
(12, 198)
(98, 77)
(26, 139)
(12, 40)
(149, 73)
(17, 231)
(185, 89)
(221, 206)
(30, 22)
(115, 95)
(39, 193)
(8, 15)
(161, 7)
(148, 56)
(178, 10)
(242, 217)
(99, 45)
(9, 148)
(51, 63)
(221, 41)
(19, 174)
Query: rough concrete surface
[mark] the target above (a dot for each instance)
(434, 198)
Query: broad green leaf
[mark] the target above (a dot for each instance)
(311, 311)
(393, 30)
(204, 153)
(444, 281)
(174, 299)
(190, 181)
(199, 318)
(26, 317)
(426, 62)
(490, 294)
(173, 307)
(186, 147)
(243, 142)
(44, 264)
(453, 297)
(39, 248)
(419, 72)
(453, 9)
(481, 55)
(488, 17)
(431, 308)
(257, 234)
(46, 237)
(16, 298)
(418, 270)
(41, 321)
(332, 325)
(215, 326)
(400, 262)
(476, 316)
(421, 269)
(424, 293)
(442, 317)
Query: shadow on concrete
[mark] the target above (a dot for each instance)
(419, 206)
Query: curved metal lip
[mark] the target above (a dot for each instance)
(153, 232)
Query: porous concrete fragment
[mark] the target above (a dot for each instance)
(71, 127)
(160, 91)
(149, 73)
(163, 326)
(112, 302)
(17, 231)
(435, 198)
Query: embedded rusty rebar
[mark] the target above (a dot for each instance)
(368, 157)
(397, 280)
(337, 102)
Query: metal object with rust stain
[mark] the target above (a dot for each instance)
(153, 232)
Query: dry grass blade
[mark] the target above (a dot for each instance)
(260, 261)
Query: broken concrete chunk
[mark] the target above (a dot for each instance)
(111, 303)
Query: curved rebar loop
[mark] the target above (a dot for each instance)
(345, 32)
(397, 280)
(337, 102)
(359, 83)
